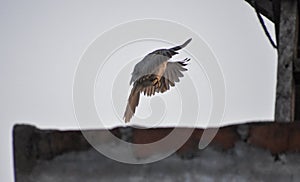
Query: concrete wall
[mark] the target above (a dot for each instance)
(41, 155)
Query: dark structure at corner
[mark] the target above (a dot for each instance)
(285, 15)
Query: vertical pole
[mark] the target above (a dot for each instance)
(287, 44)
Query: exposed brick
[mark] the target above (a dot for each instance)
(226, 137)
(271, 136)
(294, 137)
(144, 136)
(276, 137)
(152, 136)
(191, 145)
(32, 144)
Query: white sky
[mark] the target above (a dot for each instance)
(42, 42)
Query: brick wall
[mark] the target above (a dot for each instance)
(32, 144)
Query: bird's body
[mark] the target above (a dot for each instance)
(154, 74)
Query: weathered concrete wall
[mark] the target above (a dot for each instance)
(36, 152)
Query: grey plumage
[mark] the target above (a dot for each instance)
(154, 74)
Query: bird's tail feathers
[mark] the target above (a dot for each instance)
(133, 102)
(181, 46)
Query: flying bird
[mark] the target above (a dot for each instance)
(154, 74)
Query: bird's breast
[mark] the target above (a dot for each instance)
(160, 70)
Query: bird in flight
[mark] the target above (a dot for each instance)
(154, 73)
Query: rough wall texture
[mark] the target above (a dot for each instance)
(31, 145)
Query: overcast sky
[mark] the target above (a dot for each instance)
(42, 43)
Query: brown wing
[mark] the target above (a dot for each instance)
(145, 82)
(133, 102)
(172, 74)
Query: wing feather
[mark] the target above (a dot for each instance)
(172, 74)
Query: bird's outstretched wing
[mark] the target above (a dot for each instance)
(172, 75)
(151, 62)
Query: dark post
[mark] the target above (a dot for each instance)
(287, 44)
